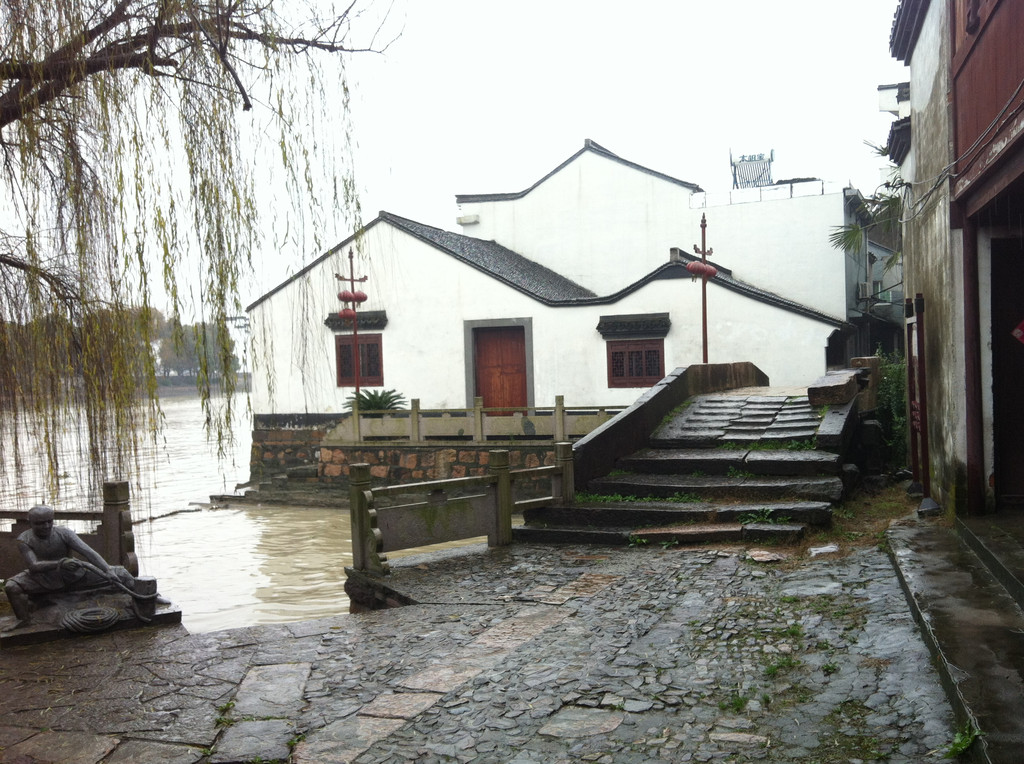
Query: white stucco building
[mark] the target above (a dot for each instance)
(576, 286)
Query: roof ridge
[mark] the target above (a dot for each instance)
(588, 145)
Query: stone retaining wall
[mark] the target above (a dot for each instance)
(408, 464)
(283, 444)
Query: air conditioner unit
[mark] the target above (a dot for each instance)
(863, 290)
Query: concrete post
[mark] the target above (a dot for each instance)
(357, 425)
(414, 421)
(359, 482)
(559, 418)
(563, 484)
(478, 419)
(116, 535)
(502, 534)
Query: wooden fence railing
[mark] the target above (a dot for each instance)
(113, 537)
(417, 426)
(445, 510)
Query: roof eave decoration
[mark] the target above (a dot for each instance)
(906, 28)
(634, 325)
(373, 320)
(899, 140)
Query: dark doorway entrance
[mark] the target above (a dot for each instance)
(500, 365)
(1008, 371)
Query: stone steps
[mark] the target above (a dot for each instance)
(708, 476)
(671, 535)
(723, 488)
(635, 515)
(722, 461)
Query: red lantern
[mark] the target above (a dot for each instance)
(358, 296)
(703, 270)
(347, 313)
(345, 296)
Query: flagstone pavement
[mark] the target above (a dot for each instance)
(521, 654)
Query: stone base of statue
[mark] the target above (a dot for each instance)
(61, 615)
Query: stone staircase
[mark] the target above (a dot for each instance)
(722, 467)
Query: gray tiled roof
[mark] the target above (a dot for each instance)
(725, 279)
(542, 283)
(495, 260)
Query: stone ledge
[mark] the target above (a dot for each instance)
(834, 388)
(46, 624)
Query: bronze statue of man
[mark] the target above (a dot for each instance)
(49, 553)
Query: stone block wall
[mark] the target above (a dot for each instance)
(412, 464)
(288, 444)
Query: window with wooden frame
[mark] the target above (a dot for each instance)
(371, 360)
(635, 363)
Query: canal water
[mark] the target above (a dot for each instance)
(223, 566)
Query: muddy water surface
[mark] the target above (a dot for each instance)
(223, 567)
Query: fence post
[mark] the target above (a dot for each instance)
(478, 419)
(414, 420)
(502, 534)
(559, 418)
(118, 540)
(357, 425)
(359, 482)
(564, 482)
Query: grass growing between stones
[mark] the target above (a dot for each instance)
(585, 497)
(861, 521)
(850, 739)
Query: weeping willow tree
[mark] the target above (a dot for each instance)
(133, 169)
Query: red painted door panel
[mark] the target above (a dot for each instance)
(500, 365)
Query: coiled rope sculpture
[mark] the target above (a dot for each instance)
(96, 619)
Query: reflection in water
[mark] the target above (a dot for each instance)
(224, 568)
(236, 567)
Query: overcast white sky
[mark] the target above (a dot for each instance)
(481, 96)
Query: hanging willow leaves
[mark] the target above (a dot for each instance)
(131, 162)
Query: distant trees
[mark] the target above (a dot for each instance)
(184, 350)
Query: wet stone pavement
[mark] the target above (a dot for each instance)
(524, 654)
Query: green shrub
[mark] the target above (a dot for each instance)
(892, 406)
(377, 400)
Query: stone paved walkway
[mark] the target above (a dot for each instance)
(525, 654)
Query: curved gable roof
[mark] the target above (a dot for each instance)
(542, 283)
(588, 145)
(501, 263)
(725, 279)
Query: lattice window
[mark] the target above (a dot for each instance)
(635, 363)
(371, 360)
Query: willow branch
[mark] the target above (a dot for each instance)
(62, 289)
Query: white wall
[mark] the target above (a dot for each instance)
(933, 255)
(428, 295)
(605, 225)
(596, 221)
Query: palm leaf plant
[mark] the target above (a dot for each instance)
(376, 400)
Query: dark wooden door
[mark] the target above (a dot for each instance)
(500, 354)
(1008, 371)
